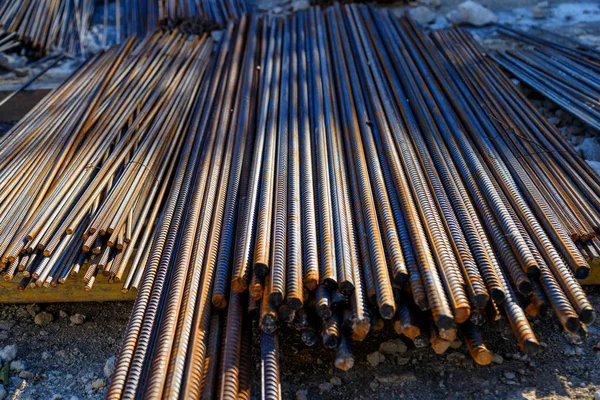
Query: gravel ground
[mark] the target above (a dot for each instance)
(66, 359)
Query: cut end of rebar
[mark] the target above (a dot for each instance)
(411, 331)
(239, 284)
(219, 301)
(387, 311)
(311, 283)
(308, 338)
(498, 295)
(261, 269)
(347, 288)
(483, 357)
(330, 283)
(275, 299)
(444, 321)
(572, 324)
(401, 278)
(331, 341)
(323, 312)
(294, 303)
(480, 300)
(525, 288)
(587, 316)
(531, 347)
(360, 330)
(461, 315)
(582, 272)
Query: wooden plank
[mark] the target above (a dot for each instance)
(594, 277)
(70, 291)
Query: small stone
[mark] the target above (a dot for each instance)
(392, 347)
(77, 319)
(472, 13)
(57, 397)
(10, 62)
(597, 395)
(98, 383)
(63, 314)
(402, 360)
(595, 165)
(3, 393)
(456, 357)
(109, 366)
(216, 36)
(4, 335)
(554, 120)
(510, 375)
(539, 13)
(497, 359)
(6, 325)
(399, 379)
(455, 344)
(336, 381)
(325, 387)
(374, 385)
(8, 353)
(17, 366)
(299, 5)
(46, 355)
(590, 148)
(302, 395)
(43, 318)
(422, 15)
(375, 358)
(26, 375)
(33, 309)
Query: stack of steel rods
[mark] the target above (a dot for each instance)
(48, 26)
(568, 74)
(8, 41)
(85, 174)
(135, 18)
(343, 169)
(207, 12)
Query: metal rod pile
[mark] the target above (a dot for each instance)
(134, 18)
(48, 25)
(207, 12)
(85, 173)
(565, 71)
(330, 170)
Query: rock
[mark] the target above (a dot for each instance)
(216, 35)
(391, 347)
(43, 318)
(63, 314)
(98, 383)
(8, 353)
(455, 344)
(4, 335)
(17, 366)
(497, 359)
(109, 366)
(3, 393)
(554, 120)
(27, 375)
(375, 358)
(22, 72)
(336, 381)
(77, 319)
(456, 357)
(402, 360)
(374, 385)
(11, 62)
(422, 15)
(6, 325)
(510, 375)
(400, 379)
(46, 355)
(325, 387)
(33, 309)
(472, 13)
(430, 3)
(590, 148)
(302, 395)
(597, 395)
(595, 165)
(299, 5)
(539, 13)
(597, 347)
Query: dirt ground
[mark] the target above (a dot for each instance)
(67, 358)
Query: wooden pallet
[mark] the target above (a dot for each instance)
(68, 292)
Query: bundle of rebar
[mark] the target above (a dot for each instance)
(48, 26)
(209, 13)
(85, 173)
(563, 70)
(330, 170)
